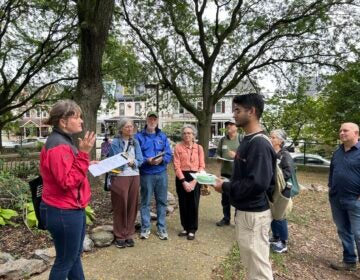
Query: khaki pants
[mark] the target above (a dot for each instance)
(252, 235)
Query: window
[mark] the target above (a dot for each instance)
(121, 109)
(199, 105)
(27, 114)
(137, 108)
(180, 109)
(316, 161)
(220, 107)
(38, 113)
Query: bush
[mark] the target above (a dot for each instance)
(14, 192)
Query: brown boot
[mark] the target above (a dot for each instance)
(343, 266)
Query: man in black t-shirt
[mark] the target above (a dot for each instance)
(252, 179)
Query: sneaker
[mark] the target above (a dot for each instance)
(191, 236)
(183, 233)
(145, 234)
(343, 266)
(274, 239)
(120, 243)
(130, 242)
(163, 235)
(278, 247)
(223, 222)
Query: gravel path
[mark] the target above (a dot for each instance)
(176, 258)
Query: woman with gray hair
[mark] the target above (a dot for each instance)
(188, 158)
(280, 227)
(124, 184)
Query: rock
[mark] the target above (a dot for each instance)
(88, 244)
(317, 188)
(47, 255)
(5, 257)
(102, 238)
(108, 228)
(170, 209)
(21, 268)
(171, 199)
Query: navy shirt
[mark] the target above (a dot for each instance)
(344, 177)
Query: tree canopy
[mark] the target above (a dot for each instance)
(205, 48)
(35, 41)
(341, 101)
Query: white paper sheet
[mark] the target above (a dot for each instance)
(108, 164)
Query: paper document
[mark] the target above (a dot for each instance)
(108, 164)
(225, 159)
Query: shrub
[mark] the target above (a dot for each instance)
(14, 192)
(6, 215)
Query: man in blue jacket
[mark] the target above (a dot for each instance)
(157, 154)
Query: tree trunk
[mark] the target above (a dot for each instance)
(94, 23)
(204, 132)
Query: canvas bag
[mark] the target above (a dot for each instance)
(280, 205)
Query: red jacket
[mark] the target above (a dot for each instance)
(64, 171)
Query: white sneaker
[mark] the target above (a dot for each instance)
(145, 234)
(163, 235)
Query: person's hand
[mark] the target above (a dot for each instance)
(231, 154)
(131, 162)
(218, 185)
(93, 162)
(193, 184)
(86, 144)
(186, 186)
(156, 161)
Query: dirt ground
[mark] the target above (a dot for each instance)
(313, 241)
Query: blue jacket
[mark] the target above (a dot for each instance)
(117, 146)
(151, 145)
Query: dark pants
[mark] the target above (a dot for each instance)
(188, 204)
(124, 199)
(225, 203)
(279, 229)
(346, 215)
(67, 228)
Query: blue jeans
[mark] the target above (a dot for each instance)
(67, 228)
(346, 215)
(279, 229)
(157, 184)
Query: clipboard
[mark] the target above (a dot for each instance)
(108, 164)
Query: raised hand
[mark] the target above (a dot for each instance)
(87, 143)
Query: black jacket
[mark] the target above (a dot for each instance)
(253, 175)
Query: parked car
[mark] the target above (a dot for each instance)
(26, 143)
(9, 144)
(310, 160)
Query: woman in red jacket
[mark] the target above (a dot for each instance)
(66, 190)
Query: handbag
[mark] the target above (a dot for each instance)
(36, 188)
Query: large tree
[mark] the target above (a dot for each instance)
(213, 45)
(341, 101)
(35, 41)
(297, 112)
(94, 23)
